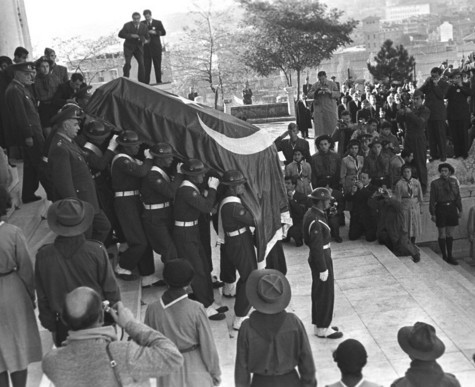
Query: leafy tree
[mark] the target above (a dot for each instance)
(291, 35)
(392, 64)
(208, 51)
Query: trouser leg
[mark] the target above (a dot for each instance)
(157, 64)
(31, 180)
(147, 61)
(323, 296)
(128, 57)
(159, 235)
(356, 228)
(227, 269)
(441, 138)
(432, 137)
(138, 54)
(100, 227)
(276, 258)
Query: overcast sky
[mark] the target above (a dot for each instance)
(49, 19)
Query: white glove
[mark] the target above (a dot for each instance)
(178, 168)
(261, 265)
(324, 275)
(213, 182)
(113, 143)
(147, 154)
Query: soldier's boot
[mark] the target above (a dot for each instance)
(450, 260)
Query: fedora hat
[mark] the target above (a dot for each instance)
(420, 342)
(178, 273)
(268, 291)
(70, 217)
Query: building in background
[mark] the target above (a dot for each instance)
(403, 12)
(14, 29)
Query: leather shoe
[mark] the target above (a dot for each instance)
(416, 258)
(451, 261)
(338, 239)
(156, 284)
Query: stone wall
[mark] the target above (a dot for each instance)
(261, 111)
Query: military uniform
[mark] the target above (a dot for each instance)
(189, 204)
(238, 246)
(444, 201)
(25, 123)
(71, 178)
(127, 173)
(326, 166)
(158, 192)
(99, 158)
(317, 237)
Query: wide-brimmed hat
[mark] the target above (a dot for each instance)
(448, 166)
(193, 167)
(420, 342)
(323, 137)
(96, 130)
(320, 193)
(233, 177)
(268, 291)
(178, 273)
(162, 149)
(128, 138)
(70, 217)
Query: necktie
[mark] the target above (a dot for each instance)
(299, 168)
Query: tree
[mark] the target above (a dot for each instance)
(392, 64)
(292, 35)
(208, 52)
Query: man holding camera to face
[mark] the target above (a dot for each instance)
(435, 90)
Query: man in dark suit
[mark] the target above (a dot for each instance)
(287, 146)
(68, 92)
(70, 173)
(135, 35)
(153, 48)
(25, 128)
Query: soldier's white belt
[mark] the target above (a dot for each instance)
(156, 206)
(45, 159)
(125, 193)
(186, 224)
(236, 232)
(327, 246)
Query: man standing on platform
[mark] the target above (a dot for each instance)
(317, 237)
(415, 140)
(25, 128)
(152, 51)
(435, 90)
(325, 94)
(135, 35)
(233, 224)
(70, 174)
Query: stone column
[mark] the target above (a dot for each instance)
(14, 30)
(290, 99)
(227, 105)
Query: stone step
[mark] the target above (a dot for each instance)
(28, 217)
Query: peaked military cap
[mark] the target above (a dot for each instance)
(26, 67)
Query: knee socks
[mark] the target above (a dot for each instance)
(442, 245)
(449, 242)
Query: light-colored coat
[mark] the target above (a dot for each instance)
(303, 178)
(411, 204)
(349, 171)
(325, 114)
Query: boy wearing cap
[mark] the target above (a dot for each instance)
(317, 236)
(186, 324)
(377, 164)
(423, 346)
(127, 173)
(272, 343)
(189, 204)
(25, 128)
(351, 357)
(233, 229)
(326, 163)
(158, 191)
(445, 207)
(435, 89)
(69, 262)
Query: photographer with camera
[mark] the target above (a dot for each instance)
(435, 89)
(93, 355)
(415, 120)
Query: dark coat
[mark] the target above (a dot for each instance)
(70, 173)
(457, 104)
(156, 25)
(434, 98)
(128, 29)
(287, 149)
(24, 117)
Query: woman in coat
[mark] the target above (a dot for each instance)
(409, 192)
(20, 342)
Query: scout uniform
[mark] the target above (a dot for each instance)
(158, 192)
(71, 177)
(127, 173)
(326, 165)
(317, 237)
(233, 225)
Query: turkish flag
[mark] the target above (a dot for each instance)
(219, 140)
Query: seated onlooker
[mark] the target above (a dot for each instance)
(423, 346)
(386, 135)
(370, 128)
(297, 208)
(272, 343)
(377, 165)
(91, 349)
(351, 357)
(302, 171)
(186, 324)
(69, 262)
